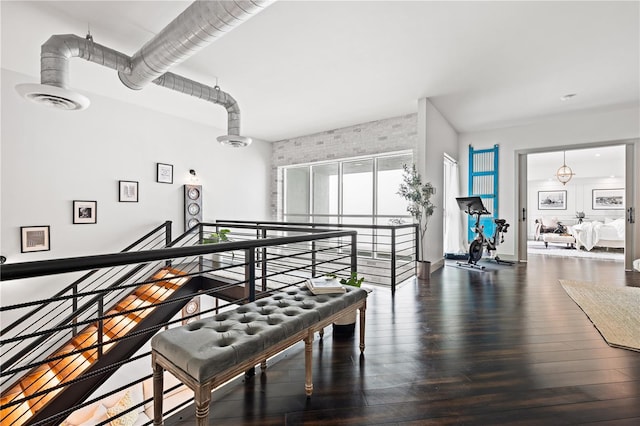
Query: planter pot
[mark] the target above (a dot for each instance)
(346, 325)
(424, 269)
(216, 260)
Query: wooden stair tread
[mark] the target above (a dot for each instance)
(70, 367)
(16, 413)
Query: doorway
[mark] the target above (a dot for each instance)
(585, 217)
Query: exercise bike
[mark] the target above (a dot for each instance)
(473, 206)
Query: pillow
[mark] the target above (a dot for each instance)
(89, 415)
(124, 404)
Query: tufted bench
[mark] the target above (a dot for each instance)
(208, 352)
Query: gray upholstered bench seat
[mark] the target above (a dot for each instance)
(210, 351)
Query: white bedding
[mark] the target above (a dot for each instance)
(591, 234)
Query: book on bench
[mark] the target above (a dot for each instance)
(325, 285)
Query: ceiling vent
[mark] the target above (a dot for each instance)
(234, 141)
(53, 96)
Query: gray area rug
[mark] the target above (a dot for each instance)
(614, 311)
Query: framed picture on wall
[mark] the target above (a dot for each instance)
(128, 191)
(164, 173)
(34, 238)
(607, 199)
(85, 212)
(552, 200)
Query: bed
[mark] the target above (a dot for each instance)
(608, 234)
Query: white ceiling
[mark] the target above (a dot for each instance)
(301, 67)
(601, 162)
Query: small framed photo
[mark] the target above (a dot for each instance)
(34, 238)
(607, 199)
(128, 191)
(552, 200)
(85, 212)
(164, 173)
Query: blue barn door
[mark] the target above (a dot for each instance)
(483, 182)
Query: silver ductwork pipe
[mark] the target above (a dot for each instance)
(195, 28)
(56, 52)
(207, 93)
(54, 70)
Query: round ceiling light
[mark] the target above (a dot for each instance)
(564, 173)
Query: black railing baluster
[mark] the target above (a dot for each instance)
(100, 325)
(201, 241)
(354, 253)
(393, 261)
(250, 257)
(167, 233)
(74, 308)
(314, 273)
(264, 260)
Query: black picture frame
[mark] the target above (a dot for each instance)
(85, 212)
(607, 199)
(552, 200)
(164, 173)
(128, 191)
(35, 238)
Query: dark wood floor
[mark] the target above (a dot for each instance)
(468, 347)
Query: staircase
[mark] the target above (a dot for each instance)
(76, 357)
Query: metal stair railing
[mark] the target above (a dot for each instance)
(386, 253)
(48, 311)
(293, 260)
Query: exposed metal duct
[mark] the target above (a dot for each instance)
(195, 28)
(209, 94)
(54, 70)
(200, 24)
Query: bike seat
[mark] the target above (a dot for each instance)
(500, 221)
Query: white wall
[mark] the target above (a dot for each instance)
(574, 129)
(435, 138)
(52, 157)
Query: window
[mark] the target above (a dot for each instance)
(325, 192)
(296, 194)
(389, 178)
(351, 191)
(357, 188)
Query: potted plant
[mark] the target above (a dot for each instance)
(421, 209)
(346, 326)
(216, 237)
(219, 236)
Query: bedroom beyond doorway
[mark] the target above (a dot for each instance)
(583, 217)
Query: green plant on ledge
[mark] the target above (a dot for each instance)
(217, 237)
(353, 280)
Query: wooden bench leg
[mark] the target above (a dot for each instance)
(158, 389)
(263, 365)
(362, 316)
(203, 400)
(308, 361)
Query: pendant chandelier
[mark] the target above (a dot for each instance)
(564, 173)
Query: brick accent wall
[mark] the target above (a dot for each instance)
(374, 137)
